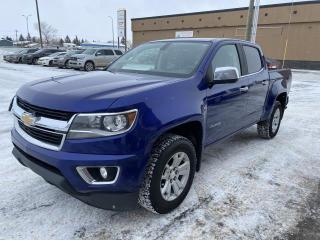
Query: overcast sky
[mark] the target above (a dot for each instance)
(89, 19)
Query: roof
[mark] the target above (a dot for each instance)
(200, 40)
(229, 10)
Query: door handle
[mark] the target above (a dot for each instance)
(264, 82)
(244, 89)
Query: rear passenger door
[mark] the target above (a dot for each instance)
(108, 57)
(257, 77)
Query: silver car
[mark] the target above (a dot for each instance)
(94, 58)
(63, 61)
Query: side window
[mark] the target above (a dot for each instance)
(253, 59)
(108, 52)
(100, 53)
(118, 52)
(227, 56)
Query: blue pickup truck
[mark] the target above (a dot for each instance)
(135, 133)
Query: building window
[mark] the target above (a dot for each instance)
(219, 18)
(266, 14)
(241, 16)
(182, 21)
(168, 22)
(155, 23)
(200, 19)
(295, 12)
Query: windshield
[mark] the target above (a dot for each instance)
(178, 59)
(89, 51)
(55, 54)
(74, 52)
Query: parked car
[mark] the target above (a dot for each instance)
(94, 58)
(17, 56)
(63, 61)
(49, 60)
(136, 132)
(273, 64)
(32, 58)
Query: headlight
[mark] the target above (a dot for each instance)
(101, 124)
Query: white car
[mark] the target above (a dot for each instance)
(48, 60)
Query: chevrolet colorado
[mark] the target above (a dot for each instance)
(136, 133)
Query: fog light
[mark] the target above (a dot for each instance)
(104, 172)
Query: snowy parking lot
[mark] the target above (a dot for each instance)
(247, 188)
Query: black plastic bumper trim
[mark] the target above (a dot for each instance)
(104, 200)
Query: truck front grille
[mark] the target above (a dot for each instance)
(42, 135)
(44, 112)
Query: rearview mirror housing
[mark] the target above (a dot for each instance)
(225, 75)
(222, 75)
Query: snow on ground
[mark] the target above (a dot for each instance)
(248, 188)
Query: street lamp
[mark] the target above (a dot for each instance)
(27, 21)
(112, 31)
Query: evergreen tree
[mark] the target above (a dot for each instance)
(28, 37)
(76, 41)
(67, 39)
(21, 38)
(61, 42)
(9, 38)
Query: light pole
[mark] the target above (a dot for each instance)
(112, 31)
(27, 20)
(41, 44)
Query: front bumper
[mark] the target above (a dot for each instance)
(113, 201)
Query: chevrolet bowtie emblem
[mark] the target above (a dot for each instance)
(28, 119)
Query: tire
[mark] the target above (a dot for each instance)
(50, 63)
(34, 61)
(66, 64)
(20, 60)
(269, 128)
(89, 66)
(160, 192)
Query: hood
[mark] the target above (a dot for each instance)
(91, 92)
(79, 55)
(44, 58)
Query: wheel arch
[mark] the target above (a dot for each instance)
(192, 130)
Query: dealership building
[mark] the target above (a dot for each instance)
(283, 29)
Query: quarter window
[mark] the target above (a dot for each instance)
(253, 59)
(118, 52)
(227, 56)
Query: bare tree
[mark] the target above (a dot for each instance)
(47, 31)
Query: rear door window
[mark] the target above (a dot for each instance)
(253, 58)
(108, 52)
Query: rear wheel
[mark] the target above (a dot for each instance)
(89, 66)
(169, 174)
(269, 128)
(66, 64)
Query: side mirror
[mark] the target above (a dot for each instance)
(225, 75)
(222, 75)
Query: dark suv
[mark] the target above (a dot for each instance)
(32, 58)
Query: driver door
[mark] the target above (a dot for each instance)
(226, 102)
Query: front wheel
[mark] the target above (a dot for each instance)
(169, 174)
(34, 61)
(269, 128)
(89, 66)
